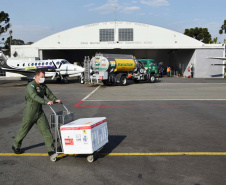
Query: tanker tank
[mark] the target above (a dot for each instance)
(113, 63)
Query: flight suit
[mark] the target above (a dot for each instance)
(33, 113)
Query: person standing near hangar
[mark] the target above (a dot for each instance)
(33, 113)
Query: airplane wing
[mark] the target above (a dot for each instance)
(218, 64)
(219, 58)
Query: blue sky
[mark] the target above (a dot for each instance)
(33, 20)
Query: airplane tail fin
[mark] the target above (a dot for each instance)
(3, 59)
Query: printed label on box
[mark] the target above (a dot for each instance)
(85, 139)
(69, 141)
(78, 137)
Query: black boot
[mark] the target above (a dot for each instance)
(16, 150)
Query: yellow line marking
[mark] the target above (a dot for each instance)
(122, 154)
(165, 153)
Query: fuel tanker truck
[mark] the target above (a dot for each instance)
(118, 68)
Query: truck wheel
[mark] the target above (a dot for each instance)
(123, 80)
(105, 82)
(152, 79)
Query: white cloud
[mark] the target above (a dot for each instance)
(141, 14)
(155, 2)
(107, 8)
(134, 2)
(111, 5)
(130, 9)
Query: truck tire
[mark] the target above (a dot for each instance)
(123, 80)
(152, 79)
(105, 82)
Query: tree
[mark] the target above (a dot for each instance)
(214, 41)
(4, 26)
(13, 42)
(223, 28)
(29, 43)
(201, 34)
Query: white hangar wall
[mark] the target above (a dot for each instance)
(172, 48)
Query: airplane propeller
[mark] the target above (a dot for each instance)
(57, 71)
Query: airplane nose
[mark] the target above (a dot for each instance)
(81, 69)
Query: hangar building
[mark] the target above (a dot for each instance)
(141, 40)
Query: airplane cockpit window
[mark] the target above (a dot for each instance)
(65, 62)
(42, 63)
(57, 63)
(32, 64)
(47, 63)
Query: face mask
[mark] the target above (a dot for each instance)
(42, 80)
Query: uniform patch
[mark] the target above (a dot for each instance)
(38, 89)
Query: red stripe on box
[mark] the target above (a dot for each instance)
(84, 127)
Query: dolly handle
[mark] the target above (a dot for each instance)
(63, 106)
(68, 112)
(52, 110)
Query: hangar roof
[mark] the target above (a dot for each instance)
(118, 35)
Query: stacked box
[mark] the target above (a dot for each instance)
(84, 136)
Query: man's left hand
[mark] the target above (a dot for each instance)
(58, 101)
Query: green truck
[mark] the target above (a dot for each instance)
(151, 70)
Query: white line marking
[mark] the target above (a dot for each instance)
(163, 100)
(84, 99)
(215, 83)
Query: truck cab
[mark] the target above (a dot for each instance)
(151, 68)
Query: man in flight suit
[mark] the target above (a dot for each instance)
(33, 113)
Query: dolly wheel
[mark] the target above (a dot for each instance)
(53, 157)
(90, 158)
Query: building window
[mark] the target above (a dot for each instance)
(106, 35)
(125, 34)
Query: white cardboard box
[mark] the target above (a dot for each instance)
(84, 136)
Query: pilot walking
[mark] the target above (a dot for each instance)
(33, 113)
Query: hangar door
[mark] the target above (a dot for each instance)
(177, 59)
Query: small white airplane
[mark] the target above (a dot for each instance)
(59, 68)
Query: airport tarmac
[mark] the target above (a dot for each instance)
(172, 132)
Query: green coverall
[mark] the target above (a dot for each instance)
(33, 113)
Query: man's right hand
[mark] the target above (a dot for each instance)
(50, 103)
